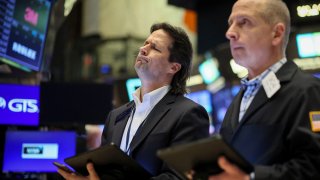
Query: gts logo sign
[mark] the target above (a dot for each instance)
(20, 105)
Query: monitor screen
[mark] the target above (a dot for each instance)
(221, 101)
(75, 103)
(209, 70)
(308, 44)
(19, 105)
(23, 31)
(203, 98)
(131, 85)
(317, 75)
(34, 151)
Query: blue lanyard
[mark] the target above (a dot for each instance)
(129, 129)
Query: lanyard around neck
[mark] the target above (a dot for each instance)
(129, 129)
(128, 142)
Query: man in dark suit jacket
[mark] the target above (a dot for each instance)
(273, 120)
(160, 116)
(174, 120)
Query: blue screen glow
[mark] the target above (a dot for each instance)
(19, 105)
(209, 71)
(34, 151)
(131, 85)
(203, 98)
(308, 44)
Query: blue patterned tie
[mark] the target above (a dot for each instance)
(250, 87)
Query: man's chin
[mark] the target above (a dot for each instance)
(140, 68)
(137, 66)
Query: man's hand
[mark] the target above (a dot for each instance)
(230, 172)
(72, 176)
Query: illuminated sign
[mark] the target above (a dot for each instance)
(208, 69)
(131, 85)
(308, 44)
(31, 16)
(23, 32)
(240, 71)
(308, 63)
(23, 105)
(203, 98)
(308, 10)
(34, 151)
(194, 80)
(2, 103)
(24, 50)
(19, 104)
(40, 151)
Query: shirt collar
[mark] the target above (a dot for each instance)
(152, 98)
(251, 86)
(275, 67)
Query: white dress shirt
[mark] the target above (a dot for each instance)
(140, 113)
(253, 85)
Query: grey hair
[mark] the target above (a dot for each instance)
(275, 11)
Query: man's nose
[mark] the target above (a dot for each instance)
(231, 33)
(144, 50)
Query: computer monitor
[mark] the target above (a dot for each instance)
(202, 97)
(23, 32)
(209, 70)
(19, 104)
(317, 75)
(221, 101)
(34, 151)
(131, 85)
(308, 44)
(74, 103)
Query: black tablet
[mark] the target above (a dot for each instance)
(201, 156)
(109, 162)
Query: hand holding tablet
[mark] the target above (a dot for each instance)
(109, 161)
(201, 156)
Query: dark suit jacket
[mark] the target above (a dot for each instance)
(275, 134)
(174, 120)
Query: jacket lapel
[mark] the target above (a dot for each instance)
(120, 124)
(258, 101)
(284, 74)
(155, 116)
(236, 110)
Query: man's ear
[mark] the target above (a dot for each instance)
(278, 33)
(175, 67)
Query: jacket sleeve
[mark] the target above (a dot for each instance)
(191, 125)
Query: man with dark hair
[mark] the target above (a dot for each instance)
(180, 52)
(159, 116)
(273, 120)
